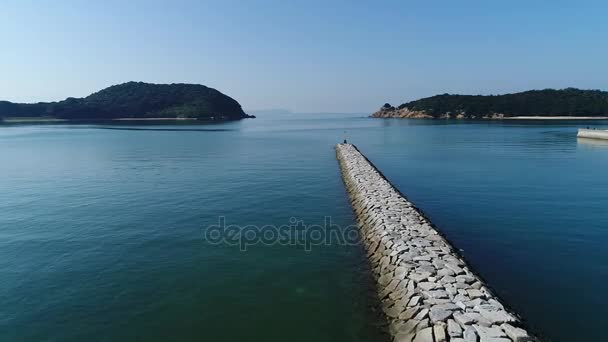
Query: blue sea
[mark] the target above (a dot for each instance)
(104, 228)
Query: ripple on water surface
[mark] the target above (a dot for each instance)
(102, 228)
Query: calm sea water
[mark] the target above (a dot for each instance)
(101, 227)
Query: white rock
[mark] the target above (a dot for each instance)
(473, 303)
(454, 268)
(465, 278)
(439, 332)
(438, 314)
(486, 333)
(423, 324)
(516, 334)
(461, 298)
(463, 319)
(427, 285)
(410, 286)
(418, 277)
(422, 314)
(451, 290)
(435, 294)
(461, 285)
(437, 262)
(474, 293)
(424, 335)
(447, 279)
(494, 314)
(400, 272)
(437, 301)
(427, 268)
(414, 301)
(469, 334)
(454, 330)
(495, 303)
(447, 306)
(479, 319)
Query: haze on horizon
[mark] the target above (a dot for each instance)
(305, 56)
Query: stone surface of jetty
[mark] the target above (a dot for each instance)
(427, 291)
(592, 133)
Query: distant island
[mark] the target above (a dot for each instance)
(271, 111)
(534, 104)
(133, 100)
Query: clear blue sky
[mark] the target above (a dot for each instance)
(346, 56)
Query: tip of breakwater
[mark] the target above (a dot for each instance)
(427, 290)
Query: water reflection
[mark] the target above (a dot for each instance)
(592, 143)
(167, 129)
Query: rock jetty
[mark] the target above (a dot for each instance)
(427, 291)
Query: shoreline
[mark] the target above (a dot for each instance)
(548, 118)
(15, 120)
(32, 120)
(555, 118)
(154, 119)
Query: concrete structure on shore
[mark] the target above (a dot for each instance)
(592, 133)
(427, 291)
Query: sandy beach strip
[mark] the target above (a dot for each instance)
(556, 118)
(155, 119)
(31, 120)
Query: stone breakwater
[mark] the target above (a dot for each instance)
(427, 291)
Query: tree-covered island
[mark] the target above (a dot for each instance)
(134, 100)
(545, 103)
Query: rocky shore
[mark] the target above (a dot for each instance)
(403, 113)
(406, 113)
(427, 291)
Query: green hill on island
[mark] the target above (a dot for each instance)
(541, 103)
(135, 100)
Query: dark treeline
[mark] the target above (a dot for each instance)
(548, 102)
(136, 100)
